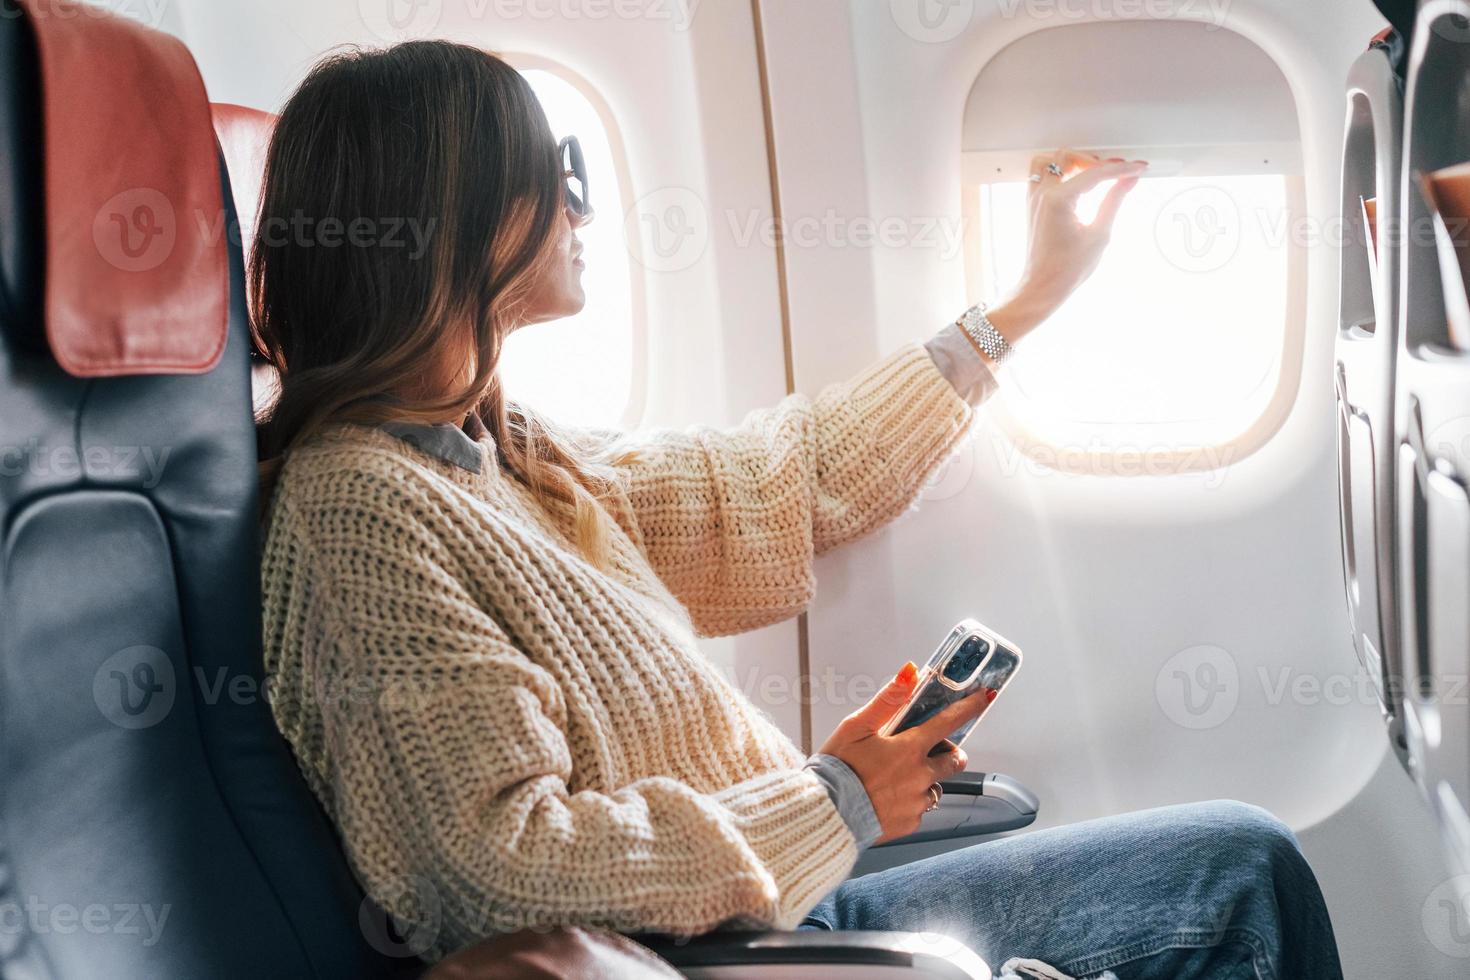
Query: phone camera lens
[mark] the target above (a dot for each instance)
(966, 659)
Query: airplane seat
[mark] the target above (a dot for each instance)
(1364, 355)
(1400, 16)
(244, 136)
(153, 823)
(1432, 423)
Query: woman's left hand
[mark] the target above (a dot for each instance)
(1061, 251)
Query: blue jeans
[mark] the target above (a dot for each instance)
(1218, 890)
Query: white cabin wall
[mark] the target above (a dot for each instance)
(1101, 580)
(1130, 567)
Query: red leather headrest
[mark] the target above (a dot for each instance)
(244, 138)
(137, 275)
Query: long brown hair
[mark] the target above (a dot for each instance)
(410, 202)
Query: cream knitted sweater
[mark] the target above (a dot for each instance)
(507, 737)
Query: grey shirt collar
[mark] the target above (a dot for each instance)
(443, 440)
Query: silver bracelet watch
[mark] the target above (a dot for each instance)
(978, 327)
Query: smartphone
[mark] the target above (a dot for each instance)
(970, 658)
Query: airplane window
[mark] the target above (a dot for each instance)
(581, 371)
(1183, 350)
(1176, 340)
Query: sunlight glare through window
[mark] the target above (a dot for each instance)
(1175, 341)
(579, 370)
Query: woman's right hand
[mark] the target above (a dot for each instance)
(897, 770)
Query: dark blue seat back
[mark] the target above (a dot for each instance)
(153, 823)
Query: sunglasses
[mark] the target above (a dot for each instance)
(574, 169)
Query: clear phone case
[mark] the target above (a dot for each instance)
(970, 658)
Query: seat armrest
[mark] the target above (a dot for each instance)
(975, 804)
(560, 952)
(819, 954)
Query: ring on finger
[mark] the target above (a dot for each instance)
(936, 793)
(1053, 169)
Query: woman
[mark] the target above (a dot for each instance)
(481, 632)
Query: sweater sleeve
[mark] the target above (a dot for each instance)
(448, 761)
(731, 520)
